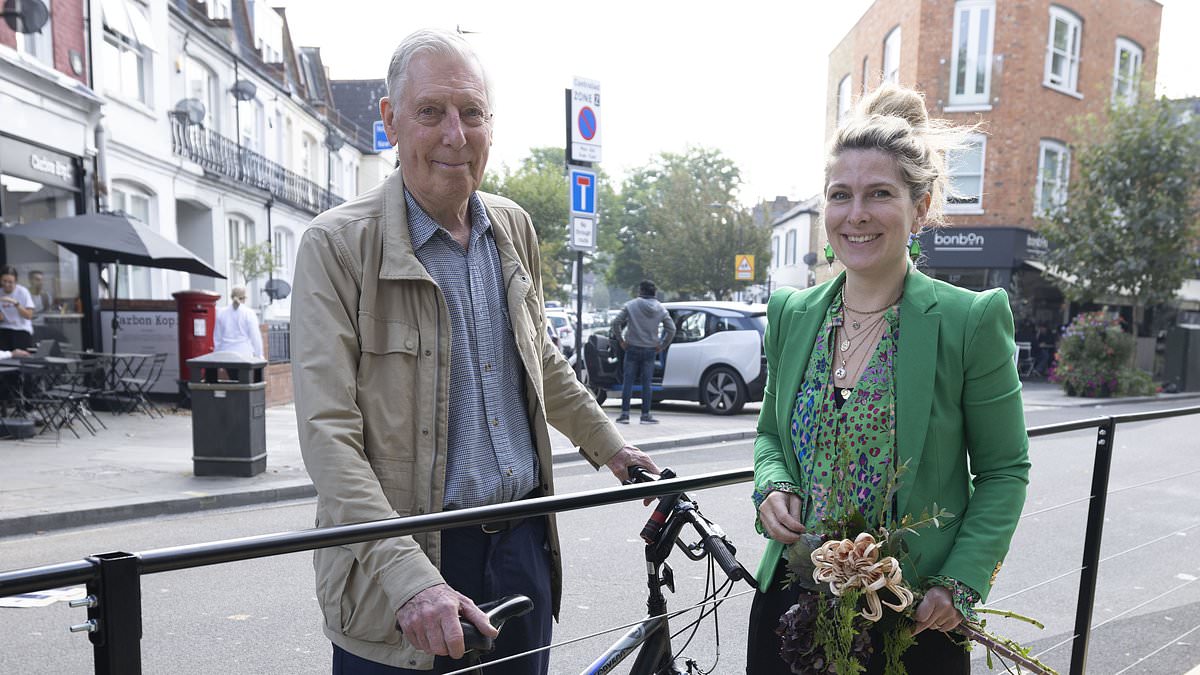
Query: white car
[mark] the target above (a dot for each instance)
(716, 357)
(564, 326)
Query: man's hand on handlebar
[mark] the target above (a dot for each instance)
(630, 456)
(430, 620)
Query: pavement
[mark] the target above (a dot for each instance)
(141, 467)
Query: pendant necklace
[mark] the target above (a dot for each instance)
(866, 335)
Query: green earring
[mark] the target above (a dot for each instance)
(829, 254)
(914, 247)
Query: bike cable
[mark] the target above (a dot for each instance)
(668, 616)
(711, 593)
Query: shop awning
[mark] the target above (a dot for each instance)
(1044, 269)
(1189, 292)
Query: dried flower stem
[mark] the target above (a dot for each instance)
(1004, 648)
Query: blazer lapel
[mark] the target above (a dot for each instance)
(795, 349)
(916, 367)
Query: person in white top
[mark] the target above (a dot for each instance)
(237, 327)
(16, 310)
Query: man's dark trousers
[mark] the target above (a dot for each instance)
(486, 567)
(639, 364)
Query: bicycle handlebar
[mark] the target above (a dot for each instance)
(713, 541)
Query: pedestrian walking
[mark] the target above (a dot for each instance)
(420, 297)
(636, 328)
(236, 328)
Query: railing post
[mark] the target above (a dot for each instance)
(116, 614)
(1091, 546)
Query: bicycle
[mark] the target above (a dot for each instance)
(651, 637)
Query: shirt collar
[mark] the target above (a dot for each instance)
(422, 226)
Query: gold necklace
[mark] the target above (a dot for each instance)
(841, 372)
(854, 322)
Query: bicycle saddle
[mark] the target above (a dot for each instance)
(497, 611)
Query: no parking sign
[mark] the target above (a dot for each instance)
(585, 120)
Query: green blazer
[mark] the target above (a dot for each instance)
(960, 425)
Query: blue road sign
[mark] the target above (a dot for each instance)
(382, 144)
(583, 191)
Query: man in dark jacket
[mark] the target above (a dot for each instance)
(636, 328)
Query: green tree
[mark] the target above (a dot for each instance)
(256, 261)
(1130, 221)
(681, 226)
(539, 185)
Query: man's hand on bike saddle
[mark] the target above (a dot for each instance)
(431, 621)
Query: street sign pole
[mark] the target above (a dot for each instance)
(582, 152)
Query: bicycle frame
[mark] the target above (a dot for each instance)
(652, 637)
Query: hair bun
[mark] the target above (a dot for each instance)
(891, 100)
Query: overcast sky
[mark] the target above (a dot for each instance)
(747, 78)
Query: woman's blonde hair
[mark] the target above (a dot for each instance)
(893, 119)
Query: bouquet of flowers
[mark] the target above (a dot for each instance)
(853, 581)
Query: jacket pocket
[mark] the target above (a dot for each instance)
(353, 604)
(382, 336)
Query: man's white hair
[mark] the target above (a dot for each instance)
(436, 41)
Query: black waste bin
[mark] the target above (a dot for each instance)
(1182, 367)
(229, 433)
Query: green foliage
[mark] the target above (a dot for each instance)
(681, 226)
(896, 641)
(1132, 206)
(256, 261)
(1093, 359)
(836, 629)
(539, 185)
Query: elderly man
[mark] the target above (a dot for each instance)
(425, 381)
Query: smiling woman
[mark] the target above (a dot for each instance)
(859, 368)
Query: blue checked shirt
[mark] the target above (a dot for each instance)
(491, 457)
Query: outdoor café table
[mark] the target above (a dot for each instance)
(115, 366)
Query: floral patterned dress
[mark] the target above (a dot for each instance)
(846, 452)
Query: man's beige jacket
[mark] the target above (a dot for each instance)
(371, 370)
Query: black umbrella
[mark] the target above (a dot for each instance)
(115, 238)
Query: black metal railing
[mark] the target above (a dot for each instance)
(223, 156)
(114, 579)
(279, 341)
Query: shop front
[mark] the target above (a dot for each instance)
(37, 183)
(997, 257)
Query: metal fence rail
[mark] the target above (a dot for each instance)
(279, 341)
(114, 579)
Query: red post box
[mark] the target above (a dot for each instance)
(197, 319)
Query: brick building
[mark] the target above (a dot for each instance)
(1023, 69)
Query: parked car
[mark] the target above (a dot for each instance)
(716, 357)
(563, 325)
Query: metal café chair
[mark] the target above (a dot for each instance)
(137, 386)
(79, 382)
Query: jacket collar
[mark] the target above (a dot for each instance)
(399, 258)
(806, 320)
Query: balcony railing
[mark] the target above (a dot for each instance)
(223, 156)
